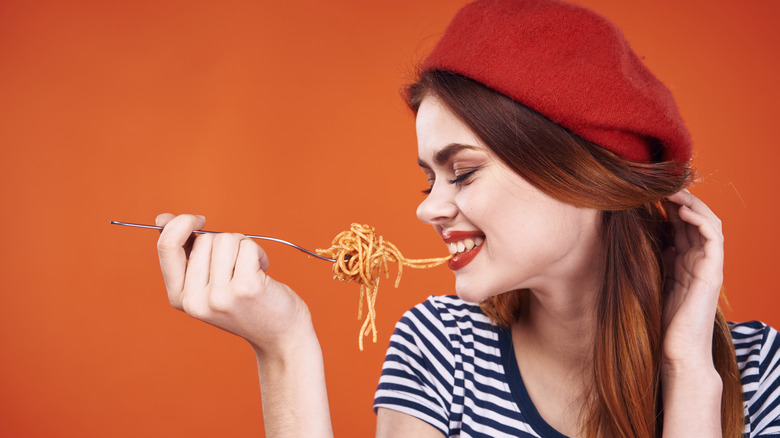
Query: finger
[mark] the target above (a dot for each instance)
(707, 263)
(683, 197)
(712, 245)
(692, 230)
(681, 242)
(199, 265)
(703, 225)
(195, 292)
(709, 228)
(686, 198)
(162, 219)
(682, 230)
(250, 267)
(251, 259)
(223, 257)
(171, 252)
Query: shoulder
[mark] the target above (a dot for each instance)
(437, 326)
(757, 346)
(423, 369)
(449, 320)
(758, 355)
(450, 310)
(448, 307)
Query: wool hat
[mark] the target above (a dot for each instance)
(573, 66)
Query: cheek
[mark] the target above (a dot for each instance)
(569, 228)
(479, 208)
(494, 212)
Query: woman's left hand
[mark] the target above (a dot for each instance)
(693, 285)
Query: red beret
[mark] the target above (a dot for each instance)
(571, 65)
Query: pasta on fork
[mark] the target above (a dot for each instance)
(361, 257)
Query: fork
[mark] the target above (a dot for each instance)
(272, 239)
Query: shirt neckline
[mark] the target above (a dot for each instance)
(517, 388)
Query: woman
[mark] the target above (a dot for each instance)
(557, 166)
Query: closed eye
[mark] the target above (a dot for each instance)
(459, 179)
(431, 180)
(463, 177)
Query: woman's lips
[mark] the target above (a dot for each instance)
(461, 259)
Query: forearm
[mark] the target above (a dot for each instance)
(292, 386)
(691, 402)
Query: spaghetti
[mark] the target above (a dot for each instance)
(361, 257)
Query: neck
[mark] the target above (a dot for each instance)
(560, 327)
(559, 316)
(553, 341)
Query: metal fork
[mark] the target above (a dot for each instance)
(272, 239)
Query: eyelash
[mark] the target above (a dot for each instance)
(458, 180)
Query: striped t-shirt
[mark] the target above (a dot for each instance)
(449, 366)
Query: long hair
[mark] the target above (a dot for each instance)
(625, 397)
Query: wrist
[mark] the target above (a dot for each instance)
(299, 341)
(702, 380)
(282, 332)
(689, 370)
(292, 382)
(691, 401)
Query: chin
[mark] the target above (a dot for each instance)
(471, 294)
(476, 291)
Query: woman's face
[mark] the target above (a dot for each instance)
(505, 233)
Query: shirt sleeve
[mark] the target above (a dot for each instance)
(758, 354)
(418, 372)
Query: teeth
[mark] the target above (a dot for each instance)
(464, 245)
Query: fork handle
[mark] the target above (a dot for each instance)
(272, 239)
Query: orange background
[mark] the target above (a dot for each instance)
(256, 114)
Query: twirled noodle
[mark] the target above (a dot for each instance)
(361, 257)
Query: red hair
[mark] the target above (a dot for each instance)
(625, 398)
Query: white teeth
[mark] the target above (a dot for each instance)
(464, 245)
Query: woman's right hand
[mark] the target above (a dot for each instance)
(220, 279)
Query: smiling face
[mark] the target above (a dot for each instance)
(506, 233)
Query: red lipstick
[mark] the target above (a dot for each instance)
(462, 259)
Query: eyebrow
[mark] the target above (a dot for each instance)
(443, 156)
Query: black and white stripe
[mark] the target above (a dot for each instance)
(758, 355)
(451, 367)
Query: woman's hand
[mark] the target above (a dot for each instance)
(691, 387)
(693, 284)
(221, 279)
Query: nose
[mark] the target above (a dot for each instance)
(438, 207)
